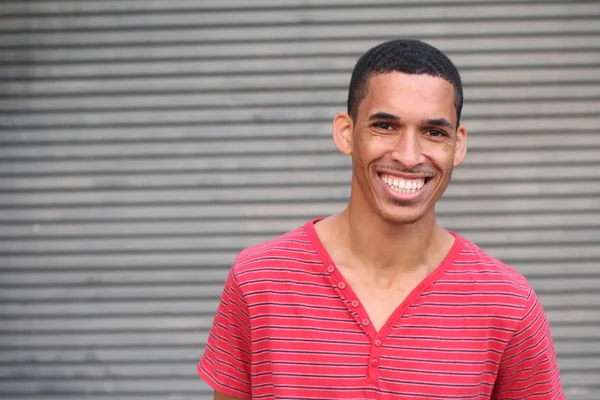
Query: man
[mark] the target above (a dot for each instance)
(379, 301)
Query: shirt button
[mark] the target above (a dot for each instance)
(365, 322)
(374, 362)
(342, 285)
(354, 303)
(378, 343)
(330, 269)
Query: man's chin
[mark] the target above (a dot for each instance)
(402, 218)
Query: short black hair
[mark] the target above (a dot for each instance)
(407, 56)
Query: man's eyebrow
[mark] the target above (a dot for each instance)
(384, 115)
(439, 122)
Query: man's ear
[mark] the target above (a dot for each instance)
(460, 151)
(342, 132)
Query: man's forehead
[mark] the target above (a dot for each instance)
(398, 93)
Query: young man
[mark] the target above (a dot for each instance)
(379, 301)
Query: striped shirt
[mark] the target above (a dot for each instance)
(289, 327)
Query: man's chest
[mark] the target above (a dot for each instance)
(331, 351)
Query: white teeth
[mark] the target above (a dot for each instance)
(402, 186)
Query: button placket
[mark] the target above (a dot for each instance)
(374, 361)
(355, 304)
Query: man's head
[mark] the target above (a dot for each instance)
(406, 56)
(402, 130)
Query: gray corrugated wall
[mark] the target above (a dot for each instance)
(144, 143)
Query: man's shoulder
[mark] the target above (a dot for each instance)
(478, 266)
(292, 249)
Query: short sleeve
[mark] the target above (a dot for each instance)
(528, 369)
(226, 362)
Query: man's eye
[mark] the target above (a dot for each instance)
(436, 133)
(383, 125)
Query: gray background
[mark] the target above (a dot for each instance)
(144, 143)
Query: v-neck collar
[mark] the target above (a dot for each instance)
(352, 300)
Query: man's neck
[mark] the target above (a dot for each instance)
(382, 248)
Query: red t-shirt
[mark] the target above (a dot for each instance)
(289, 327)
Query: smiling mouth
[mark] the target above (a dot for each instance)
(403, 185)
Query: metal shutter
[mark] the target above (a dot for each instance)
(144, 143)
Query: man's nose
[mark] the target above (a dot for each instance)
(407, 150)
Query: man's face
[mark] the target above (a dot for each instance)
(404, 145)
